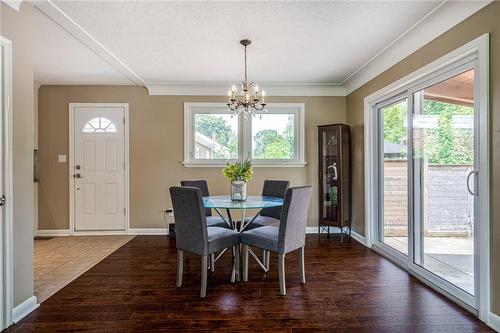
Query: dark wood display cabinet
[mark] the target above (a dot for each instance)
(334, 161)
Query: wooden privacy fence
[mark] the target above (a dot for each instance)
(448, 207)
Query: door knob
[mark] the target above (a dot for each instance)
(77, 175)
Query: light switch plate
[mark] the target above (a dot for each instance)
(61, 158)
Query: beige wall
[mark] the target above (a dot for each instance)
(486, 20)
(17, 27)
(156, 150)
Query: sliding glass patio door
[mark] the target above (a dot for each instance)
(444, 171)
(427, 169)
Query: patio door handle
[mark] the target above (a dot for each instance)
(473, 172)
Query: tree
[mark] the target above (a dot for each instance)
(394, 124)
(216, 126)
(270, 144)
(446, 144)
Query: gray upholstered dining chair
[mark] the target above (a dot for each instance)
(193, 235)
(288, 236)
(269, 216)
(212, 221)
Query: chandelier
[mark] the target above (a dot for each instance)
(246, 100)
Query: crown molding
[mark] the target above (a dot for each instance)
(221, 89)
(441, 19)
(67, 23)
(14, 4)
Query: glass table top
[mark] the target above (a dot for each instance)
(252, 202)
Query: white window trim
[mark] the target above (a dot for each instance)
(478, 49)
(244, 135)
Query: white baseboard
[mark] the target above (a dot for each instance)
(131, 231)
(358, 237)
(52, 232)
(25, 308)
(148, 231)
(100, 233)
(494, 321)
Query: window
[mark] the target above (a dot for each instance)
(273, 136)
(214, 137)
(99, 125)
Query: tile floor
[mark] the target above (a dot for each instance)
(60, 260)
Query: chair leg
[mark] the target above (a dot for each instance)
(264, 257)
(302, 265)
(180, 267)
(212, 262)
(282, 274)
(268, 259)
(204, 273)
(244, 249)
(233, 271)
(238, 271)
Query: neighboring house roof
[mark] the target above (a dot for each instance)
(394, 148)
(208, 142)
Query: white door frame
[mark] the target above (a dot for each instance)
(477, 49)
(72, 107)
(6, 232)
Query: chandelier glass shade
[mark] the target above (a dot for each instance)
(246, 99)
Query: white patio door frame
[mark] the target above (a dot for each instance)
(473, 55)
(72, 107)
(6, 227)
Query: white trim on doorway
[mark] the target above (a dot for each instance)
(478, 51)
(6, 232)
(72, 107)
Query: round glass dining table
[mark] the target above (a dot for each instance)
(253, 202)
(219, 202)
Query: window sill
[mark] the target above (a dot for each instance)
(259, 164)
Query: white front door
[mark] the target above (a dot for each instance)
(99, 168)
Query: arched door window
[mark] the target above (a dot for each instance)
(99, 125)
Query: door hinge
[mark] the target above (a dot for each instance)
(124, 211)
(123, 120)
(3, 200)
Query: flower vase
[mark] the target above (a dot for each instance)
(238, 190)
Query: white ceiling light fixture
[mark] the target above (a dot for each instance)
(247, 100)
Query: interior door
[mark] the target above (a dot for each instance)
(99, 168)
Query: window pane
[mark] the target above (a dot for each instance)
(99, 125)
(273, 136)
(394, 231)
(444, 157)
(216, 136)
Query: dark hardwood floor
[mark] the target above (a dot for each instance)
(349, 288)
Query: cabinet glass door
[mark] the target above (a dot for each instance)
(329, 172)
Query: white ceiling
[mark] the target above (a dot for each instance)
(59, 58)
(149, 42)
